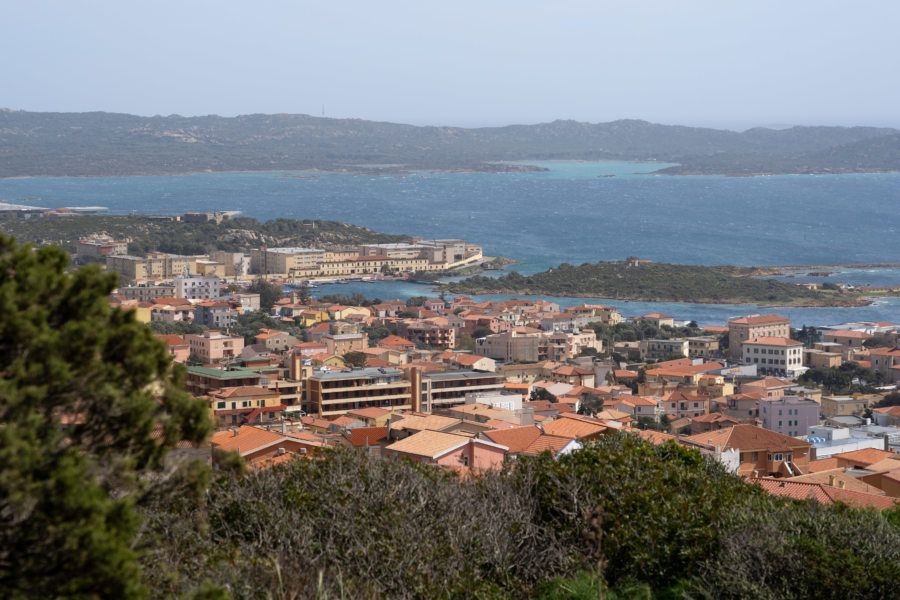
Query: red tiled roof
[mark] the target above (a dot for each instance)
(849, 333)
(517, 439)
(171, 339)
(823, 494)
(866, 456)
(747, 437)
(366, 436)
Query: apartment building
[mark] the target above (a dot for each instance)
(754, 326)
(662, 349)
(100, 246)
(530, 345)
(337, 392)
(449, 388)
(213, 346)
(789, 415)
(778, 356)
(197, 287)
(155, 266)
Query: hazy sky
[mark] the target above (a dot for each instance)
(721, 63)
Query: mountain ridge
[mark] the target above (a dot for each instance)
(101, 143)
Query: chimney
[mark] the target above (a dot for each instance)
(842, 484)
(831, 480)
(283, 427)
(755, 474)
(234, 432)
(280, 452)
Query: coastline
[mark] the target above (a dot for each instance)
(855, 303)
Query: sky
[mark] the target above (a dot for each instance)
(725, 64)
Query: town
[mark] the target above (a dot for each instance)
(467, 384)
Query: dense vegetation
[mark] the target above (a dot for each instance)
(117, 144)
(149, 234)
(89, 406)
(655, 282)
(354, 527)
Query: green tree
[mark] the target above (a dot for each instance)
(89, 404)
(541, 394)
(269, 293)
(356, 359)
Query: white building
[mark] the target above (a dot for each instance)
(776, 356)
(197, 287)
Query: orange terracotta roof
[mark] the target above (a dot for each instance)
(516, 439)
(248, 439)
(547, 443)
(573, 428)
(429, 444)
(849, 333)
(866, 456)
(747, 437)
(171, 339)
(823, 464)
(371, 412)
(366, 436)
(824, 494)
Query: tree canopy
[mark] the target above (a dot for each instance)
(89, 403)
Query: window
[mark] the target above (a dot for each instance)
(220, 405)
(778, 457)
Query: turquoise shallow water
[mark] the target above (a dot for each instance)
(567, 214)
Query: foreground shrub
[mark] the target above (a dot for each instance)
(638, 520)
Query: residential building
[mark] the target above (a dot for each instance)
(276, 340)
(176, 346)
(846, 337)
(663, 349)
(448, 450)
(712, 422)
(100, 246)
(155, 266)
(779, 356)
(211, 345)
(215, 313)
(679, 404)
(338, 392)
(236, 264)
(760, 452)
(841, 406)
(657, 319)
(449, 388)
(703, 347)
(197, 287)
(754, 326)
(201, 381)
(283, 261)
(789, 415)
(428, 333)
(344, 343)
(244, 405)
(146, 292)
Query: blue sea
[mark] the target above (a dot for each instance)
(574, 213)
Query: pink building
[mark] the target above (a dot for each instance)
(213, 345)
(448, 450)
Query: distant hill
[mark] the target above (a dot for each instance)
(77, 144)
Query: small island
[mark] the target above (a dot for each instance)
(645, 281)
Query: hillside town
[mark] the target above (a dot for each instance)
(468, 384)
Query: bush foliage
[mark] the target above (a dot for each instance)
(672, 524)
